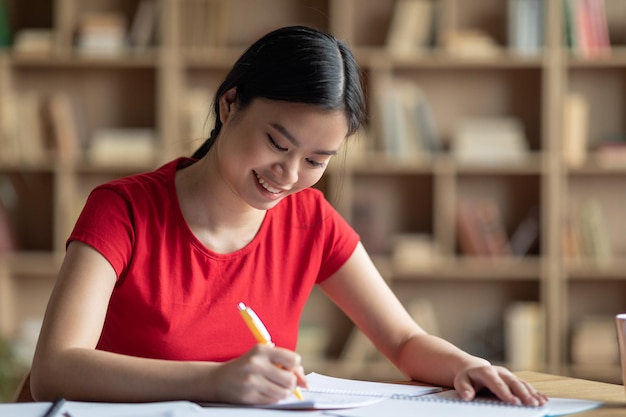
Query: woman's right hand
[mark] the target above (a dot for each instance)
(264, 375)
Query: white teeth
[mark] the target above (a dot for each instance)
(266, 186)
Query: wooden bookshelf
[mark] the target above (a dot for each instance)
(469, 69)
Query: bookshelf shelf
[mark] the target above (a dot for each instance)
(414, 199)
(474, 269)
(379, 58)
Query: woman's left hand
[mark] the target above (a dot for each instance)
(500, 381)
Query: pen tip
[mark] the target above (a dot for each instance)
(242, 306)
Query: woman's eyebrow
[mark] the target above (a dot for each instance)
(294, 141)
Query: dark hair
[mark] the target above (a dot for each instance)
(296, 64)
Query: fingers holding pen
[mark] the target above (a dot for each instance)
(263, 375)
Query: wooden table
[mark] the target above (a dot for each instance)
(565, 387)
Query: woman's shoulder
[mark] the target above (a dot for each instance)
(159, 179)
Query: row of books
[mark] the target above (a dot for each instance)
(109, 33)
(34, 125)
(406, 124)
(586, 234)
(37, 126)
(481, 231)
(586, 28)
(97, 32)
(406, 128)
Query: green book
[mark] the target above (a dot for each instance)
(5, 29)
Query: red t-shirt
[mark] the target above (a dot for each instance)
(176, 299)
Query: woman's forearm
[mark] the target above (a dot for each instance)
(93, 375)
(433, 360)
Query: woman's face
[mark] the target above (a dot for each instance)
(273, 148)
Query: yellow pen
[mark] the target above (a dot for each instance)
(259, 331)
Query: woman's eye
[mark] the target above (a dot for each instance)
(316, 164)
(276, 145)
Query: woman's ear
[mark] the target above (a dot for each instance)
(227, 104)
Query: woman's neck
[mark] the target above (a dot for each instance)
(217, 217)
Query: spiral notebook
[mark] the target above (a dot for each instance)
(327, 393)
(440, 407)
(450, 404)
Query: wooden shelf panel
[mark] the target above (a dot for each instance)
(475, 269)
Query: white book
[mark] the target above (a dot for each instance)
(410, 27)
(490, 140)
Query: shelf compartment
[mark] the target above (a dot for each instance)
(385, 206)
(481, 92)
(474, 322)
(603, 90)
(594, 209)
(97, 99)
(516, 197)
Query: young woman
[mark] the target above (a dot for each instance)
(145, 305)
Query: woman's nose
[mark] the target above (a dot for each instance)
(287, 171)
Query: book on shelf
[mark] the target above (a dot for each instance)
(411, 27)
(101, 34)
(571, 239)
(586, 28)
(8, 241)
(596, 242)
(5, 26)
(525, 26)
(33, 41)
(413, 251)
(8, 126)
(575, 129)
(63, 113)
(526, 234)
(524, 332)
(8, 207)
(489, 141)
(142, 30)
(23, 138)
(586, 235)
(126, 146)
(470, 43)
(611, 152)
(480, 229)
(31, 132)
(406, 122)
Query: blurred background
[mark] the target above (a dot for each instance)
(488, 184)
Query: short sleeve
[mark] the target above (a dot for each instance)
(106, 224)
(340, 241)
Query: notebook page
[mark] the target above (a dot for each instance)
(328, 384)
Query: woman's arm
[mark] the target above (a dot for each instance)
(360, 291)
(67, 364)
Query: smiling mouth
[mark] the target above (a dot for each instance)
(266, 185)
